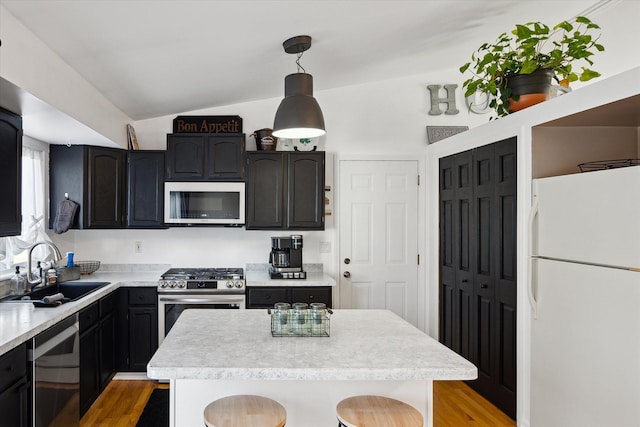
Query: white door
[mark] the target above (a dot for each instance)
(378, 236)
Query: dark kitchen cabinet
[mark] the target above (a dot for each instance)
(93, 177)
(478, 265)
(137, 328)
(97, 349)
(205, 157)
(285, 190)
(15, 387)
(265, 297)
(10, 173)
(89, 368)
(145, 189)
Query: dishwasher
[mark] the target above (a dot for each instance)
(55, 361)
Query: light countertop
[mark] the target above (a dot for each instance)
(364, 345)
(22, 321)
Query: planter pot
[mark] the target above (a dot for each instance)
(529, 89)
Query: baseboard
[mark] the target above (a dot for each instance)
(131, 376)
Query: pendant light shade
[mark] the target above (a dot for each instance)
(299, 115)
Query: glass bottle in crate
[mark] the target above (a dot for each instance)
(299, 317)
(280, 319)
(318, 318)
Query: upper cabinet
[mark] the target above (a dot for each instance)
(93, 177)
(145, 190)
(10, 173)
(205, 157)
(285, 190)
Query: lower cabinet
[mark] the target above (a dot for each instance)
(265, 297)
(15, 388)
(97, 349)
(137, 328)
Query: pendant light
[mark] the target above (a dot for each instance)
(299, 115)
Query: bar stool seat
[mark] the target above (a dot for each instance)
(377, 411)
(244, 411)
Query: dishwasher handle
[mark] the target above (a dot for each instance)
(55, 341)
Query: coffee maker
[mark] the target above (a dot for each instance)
(286, 258)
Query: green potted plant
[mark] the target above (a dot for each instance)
(532, 50)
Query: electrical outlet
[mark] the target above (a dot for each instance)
(325, 247)
(138, 247)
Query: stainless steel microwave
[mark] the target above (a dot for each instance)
(202, 203)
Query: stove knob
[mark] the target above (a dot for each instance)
(229, 284)
(163, 284)
(238, 283)
(172, 284)
(183, 284)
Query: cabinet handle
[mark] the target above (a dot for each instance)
(483, 286)
(465, 281)
(310, 296)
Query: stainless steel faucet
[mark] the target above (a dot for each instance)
(56, 255)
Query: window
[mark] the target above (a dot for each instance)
(13, 250)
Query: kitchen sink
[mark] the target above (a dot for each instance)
(72, 291)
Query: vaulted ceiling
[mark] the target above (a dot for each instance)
(153, 58)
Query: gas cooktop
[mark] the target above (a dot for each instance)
(217, 280)
(204, 273)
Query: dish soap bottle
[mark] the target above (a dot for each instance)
(18, 283)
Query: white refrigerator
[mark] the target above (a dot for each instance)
(584, 292)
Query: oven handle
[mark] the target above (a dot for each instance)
(215, 300)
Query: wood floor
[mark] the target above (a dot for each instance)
(455, 405)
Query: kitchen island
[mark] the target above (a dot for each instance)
(209, 354)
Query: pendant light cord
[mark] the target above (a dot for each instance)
(300, 67)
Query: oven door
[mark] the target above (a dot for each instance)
(170, 306)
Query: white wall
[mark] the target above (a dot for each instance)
(29, 64)
(385, 118)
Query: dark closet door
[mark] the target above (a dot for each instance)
(478, 265)
(456, 254)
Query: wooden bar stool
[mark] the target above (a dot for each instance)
(244, 411)
(377, 411)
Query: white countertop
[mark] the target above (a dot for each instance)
(364, 345)
(22, 321)
(262, 278)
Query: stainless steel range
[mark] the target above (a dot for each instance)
(210, 288)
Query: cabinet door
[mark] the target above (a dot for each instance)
(305, 185)
(266, 297)
(105, 188)
(145, 189)
(185, 158)
(10, 173)
(89, 368)
(265, 191)
(143, 336)
(14, 404)
(225, 157)
(107, 349)
(311, 294)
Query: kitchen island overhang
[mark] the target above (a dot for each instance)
(214, 353)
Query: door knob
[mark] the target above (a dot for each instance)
(347, 260)
(346, 274)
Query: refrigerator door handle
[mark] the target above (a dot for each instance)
(533, 213)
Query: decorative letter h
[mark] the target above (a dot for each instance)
(450, 100)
